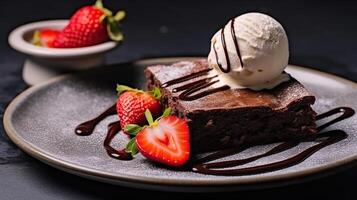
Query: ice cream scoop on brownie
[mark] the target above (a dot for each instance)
(240, 95)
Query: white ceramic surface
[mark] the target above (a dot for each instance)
(43, 63)
(42, 119)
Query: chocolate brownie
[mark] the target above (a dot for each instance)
(234, 117)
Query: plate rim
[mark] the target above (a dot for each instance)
(134, 179)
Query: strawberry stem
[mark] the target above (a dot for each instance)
(36, 39)
(124, 88)
(156, 93)
(167, 112)
(113, 29)
(119, 15)
(131, 147)
(149, 117)
(112, 22)
(132, 129)
(99, 4)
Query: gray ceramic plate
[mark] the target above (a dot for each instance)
(41, 122)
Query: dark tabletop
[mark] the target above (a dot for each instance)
(322, 34)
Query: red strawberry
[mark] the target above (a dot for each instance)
(132, 104)
(166, 140)
(89, 26)
(45, 37)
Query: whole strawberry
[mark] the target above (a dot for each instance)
(44, 37)
(89, 26)
(132, 103)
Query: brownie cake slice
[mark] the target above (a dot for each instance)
(236, 116)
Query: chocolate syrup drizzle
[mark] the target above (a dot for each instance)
(224, 46)
(331, 137)
(87, 128)
(190, 90)
(220, 168)
(228, 69)
(113, 129)
(186, 78)
(236, 42)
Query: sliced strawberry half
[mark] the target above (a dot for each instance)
(45, 37)
(166, 140)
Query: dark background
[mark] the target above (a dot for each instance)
(322, 35)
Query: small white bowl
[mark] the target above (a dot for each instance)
(44, 63)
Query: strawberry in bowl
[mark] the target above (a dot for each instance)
(45, 37)
(57, 46)
(90, 25)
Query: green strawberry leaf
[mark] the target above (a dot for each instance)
(99, 4)
(156, 93)
(103, 18)
(113, 29)
(120, 15)
(132, 129)
(107, 12)
(36, 39)
(131, 147)
(124, 88)
(149, 117)
(167, 112)
(112, 22)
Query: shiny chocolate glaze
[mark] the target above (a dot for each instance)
(190, 90)
(186, 78)
(287, 94)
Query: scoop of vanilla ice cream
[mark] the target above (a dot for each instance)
(263, 47)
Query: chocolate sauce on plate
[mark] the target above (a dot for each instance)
(113, 129)
(205, 166)
(86, 128)
(331, 137)
(346, 113)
